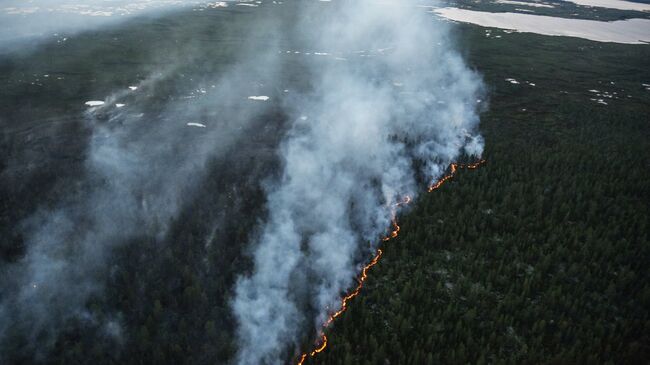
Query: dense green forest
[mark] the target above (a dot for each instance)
(540, 256)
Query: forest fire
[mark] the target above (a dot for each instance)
(453, 169)
(321, 348)
(364, 273)
(394, 233)
(344, 306)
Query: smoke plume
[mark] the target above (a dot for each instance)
(143, 161)
(392, 101)
(379, 102)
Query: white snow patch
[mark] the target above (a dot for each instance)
(537, 5)
(599, 101)
(218, 4)
(95, 103)
(613, 4)
(630, 31)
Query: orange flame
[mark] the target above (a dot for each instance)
(454, 167)
(302, 359)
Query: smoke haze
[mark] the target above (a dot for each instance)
(25, 24)
(378, 103)
(144, 158)
(394, 95)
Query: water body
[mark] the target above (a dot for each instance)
(613, 4)
(630, 31)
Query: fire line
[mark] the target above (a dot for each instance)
(322, 344)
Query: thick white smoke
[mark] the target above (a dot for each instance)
(395, 96)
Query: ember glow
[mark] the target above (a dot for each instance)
(344, 306)
(453, 169)
(322, 342)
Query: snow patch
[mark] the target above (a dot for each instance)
(95, 103)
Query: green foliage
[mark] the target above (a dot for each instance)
(539, 257)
